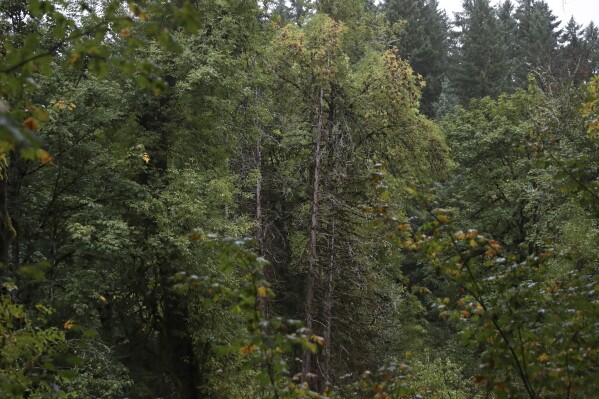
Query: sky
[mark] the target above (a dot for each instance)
(584, 11)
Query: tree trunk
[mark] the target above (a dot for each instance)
(7, 231)
(313, 259)
(264, 303)
(328, 312)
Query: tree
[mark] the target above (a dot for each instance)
(332, 118)
(423, 41)
(520, 300)
(41, 38)
(573, 62)
(591, 44)
(537, 38)
(482, 59)
(509, 31)
(105, 211)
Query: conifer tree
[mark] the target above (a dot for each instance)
(573, 58)
(509, 32)
(482, 63)
(537, 38)
(423, 41)
(591, 44)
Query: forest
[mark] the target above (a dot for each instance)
(270, 199)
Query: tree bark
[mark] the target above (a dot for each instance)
(328, 312)
(313, 259)
(7, 231)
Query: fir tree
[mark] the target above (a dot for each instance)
(481, 55)
(537, 38)
(573, 58)
(509, 31)
(591, 44)
(423, 41)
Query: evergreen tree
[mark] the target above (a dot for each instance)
(481, 65)
(331, 118)
(591, 44)
(537, 38)
(423, 41)
(300, 9)
(573, 55)
(509, 32)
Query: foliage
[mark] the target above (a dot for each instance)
(538, 329)
(128, 129)
(528, 304)
(267, 341)
(482, 61)
(422, 41)
(30, 352)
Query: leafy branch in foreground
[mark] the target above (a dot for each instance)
(268, 344)
(536, 336)
(268, 341)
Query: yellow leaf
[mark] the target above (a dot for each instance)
(102, 298)
(262, 292)
(443, 218)
(544, 358)
(246, 350)
(311, 347)
(317, 339)
(146, 157)
(385, 196)
(68, 324)
(44, 156)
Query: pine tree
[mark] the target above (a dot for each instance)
(423, 41)
(300, 9)
(537, 38)
(332, 116)
(573, 56)
(591, 44)
(482, 64)
(509, 32)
